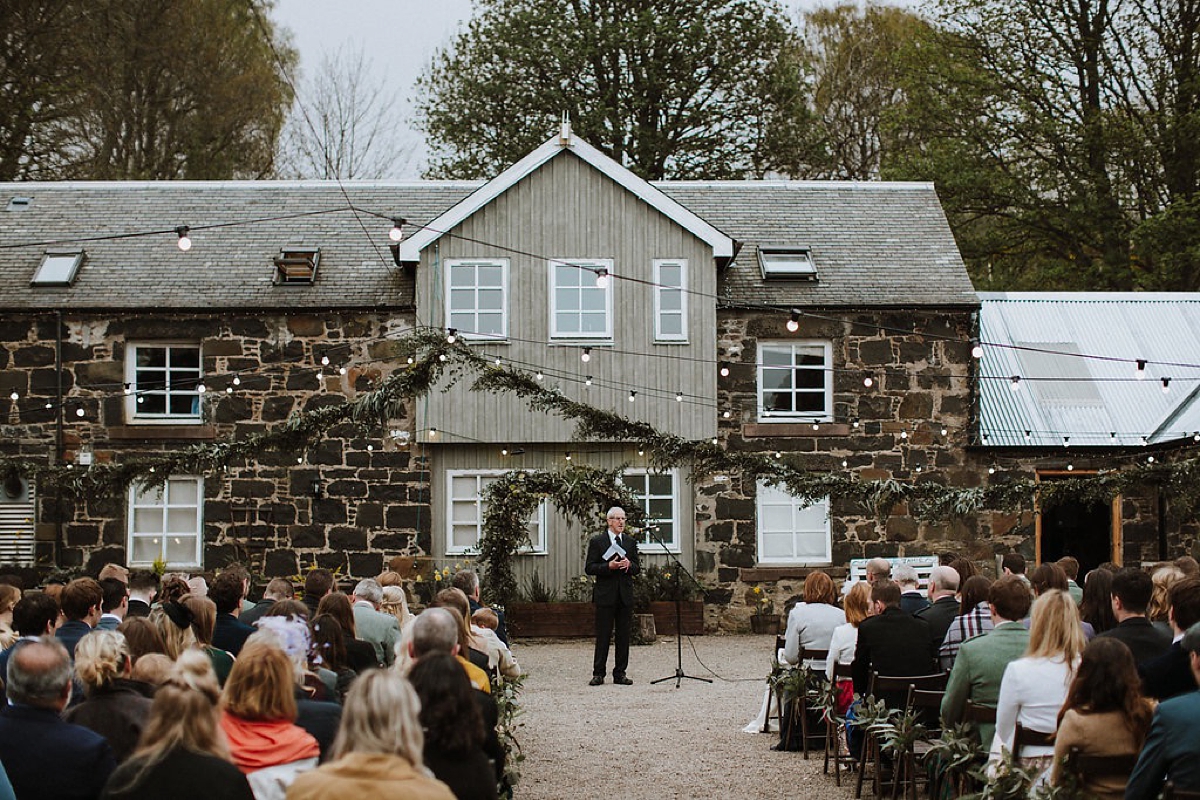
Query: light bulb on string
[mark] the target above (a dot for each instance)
(854, 424)
(1066, 441)
(1141, 369)
(868, 381)
(341, 370)
(79, 412)
(397, 231)
(588, 381)
(1028, 435)
(539, 375)
(370, 448)
(14, 396)
(632, 396)
(1166, 385)
(944, 431)
(586, 355)
(991, 470)
(128, 389)
(1112, 436)
(1070, 467)
(320, 377)
(903, 434)
(237, 381)
(1149, 459)
(845, 463)
(496, 363)
(679, 397)
(793, 323)
(228, 390)
(442, 357)
(714, 441)
(325, 361)
(976, 350)
(451, 335)
(984, 437)
(724, 371)
(201, 388)
(816, 427)
(778, 454)
(1014, 382)
(49, 405)
(641, 452)
(568, 456)
(185, 241)
(601, 278)
(432, 433)
(141, 399)
(727, 414)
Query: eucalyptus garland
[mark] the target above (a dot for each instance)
(428, 360)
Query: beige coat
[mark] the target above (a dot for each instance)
(368, 775)
(1104, 734)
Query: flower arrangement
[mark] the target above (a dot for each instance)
(763, 604)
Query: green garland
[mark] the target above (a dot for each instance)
(579, 492)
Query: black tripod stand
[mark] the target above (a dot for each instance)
(679, 573)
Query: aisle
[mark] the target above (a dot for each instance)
(643, 741)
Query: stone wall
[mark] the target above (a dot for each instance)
(353, 500)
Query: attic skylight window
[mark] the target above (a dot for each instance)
(787, 262)
(58, 268)
(297, 265)
(19, 203)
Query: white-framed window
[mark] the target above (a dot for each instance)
(795, 381)
(477, 297)
(657, 493)
(791, 531)
(58, 268)
(670, 301)
(163, 382)
(579, 309)
(465, 508)
(787, 262)
(166, 522)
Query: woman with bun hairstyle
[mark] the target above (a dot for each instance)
(183, 753)
(115, 706)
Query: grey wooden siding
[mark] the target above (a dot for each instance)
(565, 210)
(565, 541)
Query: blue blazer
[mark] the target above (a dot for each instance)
(70, 632)
(230, 634)
(1170, 750)
(50, 759)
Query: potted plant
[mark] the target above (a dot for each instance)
(763, 619)
(654, 593)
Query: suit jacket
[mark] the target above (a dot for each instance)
(1170, 750)
(1168, 675)
(978, 670)
(382, 631)
(229, 634)
(1144, 640)
(613, 587)
(886, 645)
(118, 712)
(912, 602)
(255, 612)
(50, 759)
(137, 608)
(70, 633)
(939, 616)
(108, 622)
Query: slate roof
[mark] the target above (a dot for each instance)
(874, 244)
(227, 267)
(1026, 334)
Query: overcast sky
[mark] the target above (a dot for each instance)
(398, 36)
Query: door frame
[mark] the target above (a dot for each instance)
(1115, 527)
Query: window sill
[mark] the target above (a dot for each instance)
(669, 342)
(173, 430)
(767, 573)
(790, 427)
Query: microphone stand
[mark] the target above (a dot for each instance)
(679, 572)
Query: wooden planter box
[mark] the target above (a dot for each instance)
(578, 620)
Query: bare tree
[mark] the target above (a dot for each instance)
(344, 124)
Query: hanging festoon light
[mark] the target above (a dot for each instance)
(601, 278)
(679, 397)
(15, 396)
(451, 335)
(587, 381)
(868, 381)
(201, 388)
(1166, 385)
(724, 371)
(237, 380)
(1014, 383)
(976, 350)
(79, 412)
(539, 375)
(185, 241)
(793, 323)
(325, 361)
(1141, 369)
(586, 355)
(397, 231)
(632, 396)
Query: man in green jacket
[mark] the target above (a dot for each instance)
(981, 660)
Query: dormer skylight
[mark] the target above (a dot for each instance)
(19, 203)
(297, 265)
(58, 268)
(780, 261)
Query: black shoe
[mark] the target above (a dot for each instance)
(621, 680)
(597, 680)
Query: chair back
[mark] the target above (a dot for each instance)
(1171, 793)
(812, 655)
(1084, 765)
(1027, 737)
(843, 672)
(900, 683)
(925, 698)
(979, 714)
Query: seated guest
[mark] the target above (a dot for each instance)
(359, 654)
(378, 750)
(890, 643)
(115, 707)
(1164, 578)
(1174, 739)
(1097, 608)
(395, 602)
(500, 659)
(173, 587)
(34, 615)
(229, 634)
(1034, 686)
(173, 620)
(911, 598)
(1070, 567)
(844, 641)
(810, 624)
(150, 671)
(204, 621)
(317, 584)
(1170, 674)
(1131, 590)
(467, 582)
(381, 631)
(1046, 577)
(183, 755)
(981, 661)
(943, 608)
(1014, 564)
(114, 605)
(259, 722)
(974, 618)
(81, 600)
(1104, 715)
(470, 649)
(289, 608)
(964, 568)
(44, 755)
(141, 637)
(9, 596)
(329, 653)
(453, 725)
(143, 588)
(278, 589)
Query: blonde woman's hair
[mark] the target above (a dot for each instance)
(152, 668)
(381, 715)
(1055, 630)
(395, 602)
(176, 640)
(204, 617)
(185, 716)
(857, 602)
(261, 685)
(1163, 578)
(9, 596)
(100, 658)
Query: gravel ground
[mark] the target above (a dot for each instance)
(656, 741)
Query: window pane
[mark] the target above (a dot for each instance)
(465, 512)
(566, 299)
(185, 357)
(152, 357)
(463, 321)
(660, 509)
(594, 323)
(661, 484)
(144, 495)
(810, 546)
(671, 325)
(463, 487)
(636, 483)
(463, 536)
(565, 275)
(594, 299)
(775, 518)
(183, 492)
(776, 545)
(491, 299)
(462, 299)
(670, 301)
(669, 274)
(810, 356)
(810, 402)
(185, 404)
(462, 275)
(776, 356)
(147, 520)
(566, 323)
(181, 549)
(491, 275)
(810, 379)
(146, 548)
(490, 324)
(777, 379)
(181, 520)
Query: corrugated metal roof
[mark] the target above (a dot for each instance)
(1075, 356)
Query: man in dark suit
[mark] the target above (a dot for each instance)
(1131, 590)
(228, 633)
(143, 588)
(81, 600)
(943, 583)
(115, 604)
(43, 755)
(612, 594)
(1174, 739)
(911, 599)
(1171, 674)
(888, 643)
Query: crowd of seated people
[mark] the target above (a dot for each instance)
(1103, 665)
(125, 686)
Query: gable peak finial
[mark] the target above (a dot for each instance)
(564, 133)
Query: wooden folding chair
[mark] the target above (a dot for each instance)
(801, 705)
(1084, 765)
(910, 764)
(1027, 737)
(834, 728)
(1171, 793)
(964, 782)
(871, 752)
(775, 696)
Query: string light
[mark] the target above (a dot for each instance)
(320, 377)
(1028, 435)
(586, 355)
(568, 456)
(1014, 382)
(15, 396)
(632, 395)
(504, 451)
(601, 278)
(451, 335)
(976, 350)
(370, 448)
(497, 362)
(201, 388)
(539, 375)
(1166, 384)
(944, 431)
(1066, 441)
(778, 454)
(854, 424)
(128, 389)
(1070, 467)
(1141, 369)
(679, 397)
(1149, 459)
(433, 433)
(441, 357)
(588, 381)
(325, 361)
(342, 370)
(724, 370)
(903, 434)
(237, 381)
(397, 231)
(845, 463)
(714, 441)
(641, 452)
(991, 470)
(868, 381)
(185, 241)
(793, 323)
(79, 412)
(228, 390)
(727, 414)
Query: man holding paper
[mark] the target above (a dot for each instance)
(612, 559)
